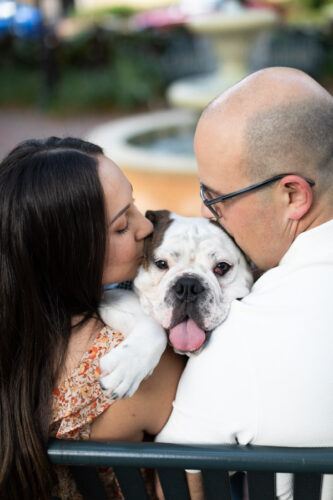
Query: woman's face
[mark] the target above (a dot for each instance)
(126, 226)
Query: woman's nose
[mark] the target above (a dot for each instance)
(145, 227)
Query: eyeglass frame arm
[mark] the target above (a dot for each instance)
(249, 188)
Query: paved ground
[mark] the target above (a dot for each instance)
(18, 125)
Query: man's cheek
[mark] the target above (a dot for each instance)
(224, 224)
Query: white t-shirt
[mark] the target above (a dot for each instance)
(266, 375)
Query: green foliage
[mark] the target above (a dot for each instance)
(94, 70)
(121, 11)
(19, 53)
(124, 85)
(19, 86)
(313, 4)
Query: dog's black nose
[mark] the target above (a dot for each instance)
(188, 289)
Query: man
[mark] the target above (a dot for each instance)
(266, 376)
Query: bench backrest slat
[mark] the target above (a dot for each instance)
(88, 481)
(261, 485)
(307, 486)
(173, 484)
(131, 482)
(216, 484)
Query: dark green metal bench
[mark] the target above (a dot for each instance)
(260, 462)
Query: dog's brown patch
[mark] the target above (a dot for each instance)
(161, 221)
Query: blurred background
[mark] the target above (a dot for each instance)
(133, 75)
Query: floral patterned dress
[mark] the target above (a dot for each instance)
(76, 402)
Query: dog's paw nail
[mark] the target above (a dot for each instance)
(114, 395)
(102, 386)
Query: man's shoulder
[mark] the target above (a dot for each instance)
(312, 247)
(308, 259)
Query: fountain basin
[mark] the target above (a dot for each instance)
(155, 151)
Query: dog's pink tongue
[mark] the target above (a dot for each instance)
(187, 336)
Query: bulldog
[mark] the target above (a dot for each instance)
(192, 271)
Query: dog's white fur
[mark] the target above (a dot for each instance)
(124, 368)
(192, 247)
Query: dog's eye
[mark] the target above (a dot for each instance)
(161, 264)
(221, 268)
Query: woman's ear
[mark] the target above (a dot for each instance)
(298, 196)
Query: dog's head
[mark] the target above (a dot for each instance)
(191, 273)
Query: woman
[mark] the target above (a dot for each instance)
(68, 226)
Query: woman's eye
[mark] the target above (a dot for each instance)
(221, 268)
(123, 230)
(161, 264)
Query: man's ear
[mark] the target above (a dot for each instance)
(298, 196)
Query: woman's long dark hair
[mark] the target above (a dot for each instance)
(52, 245)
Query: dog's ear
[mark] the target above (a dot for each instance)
(157, 216)
(161, 221)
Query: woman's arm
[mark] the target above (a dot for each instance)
(147, 410)
(123, 369)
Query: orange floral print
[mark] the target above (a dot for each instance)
(76, 403)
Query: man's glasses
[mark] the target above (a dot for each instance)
(209, 201)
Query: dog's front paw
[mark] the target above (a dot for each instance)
(124, 368)
(122, 371)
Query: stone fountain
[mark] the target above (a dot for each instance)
(155, 149)
(232, 31)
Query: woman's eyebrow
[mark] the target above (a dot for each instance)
(120, 213)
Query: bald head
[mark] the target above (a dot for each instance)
(267, 88)
(283, 122)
